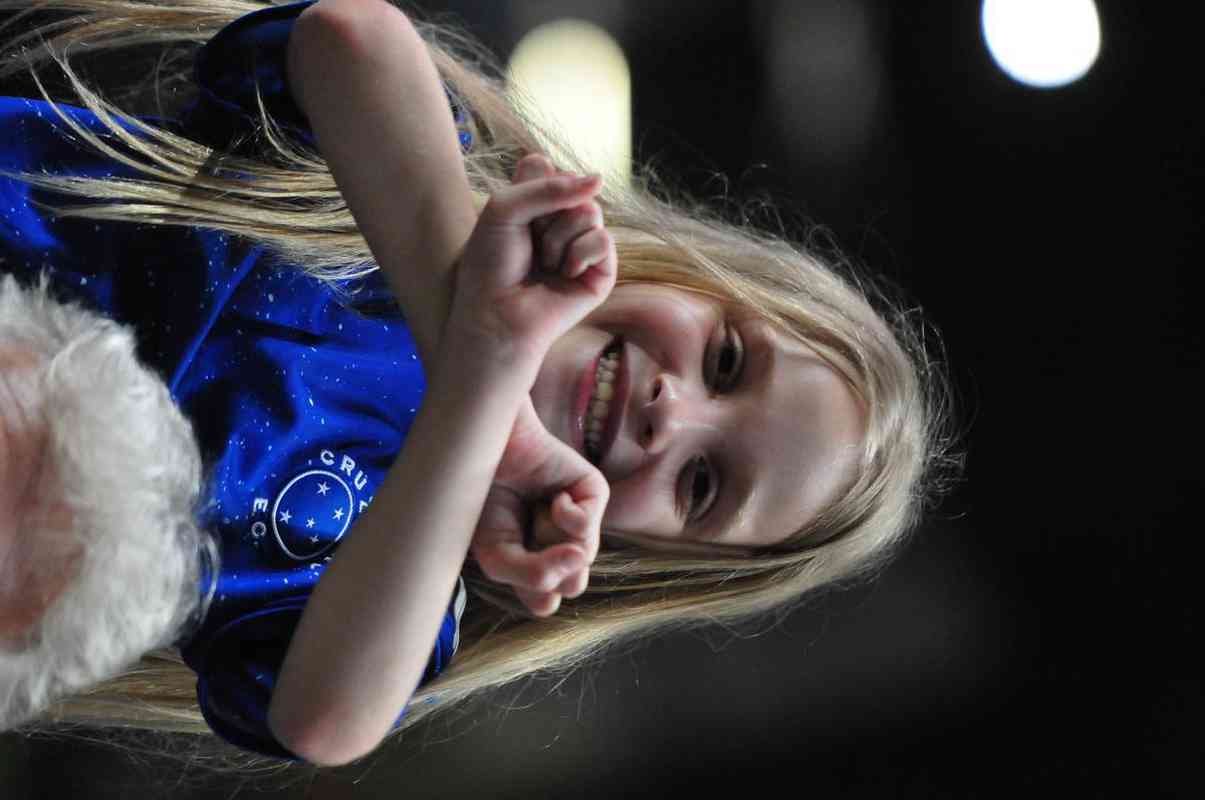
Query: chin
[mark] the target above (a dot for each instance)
(124, 460)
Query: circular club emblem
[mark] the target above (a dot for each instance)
(311, 514)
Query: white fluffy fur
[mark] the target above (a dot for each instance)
(130, 470)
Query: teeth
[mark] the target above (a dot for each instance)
(599, 408)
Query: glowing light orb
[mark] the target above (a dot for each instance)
(1042, 43)
(577, 78)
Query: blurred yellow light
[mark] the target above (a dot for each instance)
(571, 76)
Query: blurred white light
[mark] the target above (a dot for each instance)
(1042, 43)
(572, 76)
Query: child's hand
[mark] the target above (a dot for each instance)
(507, 310)
(544, 483)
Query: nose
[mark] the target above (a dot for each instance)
(670, 411)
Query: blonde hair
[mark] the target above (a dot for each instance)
(285, 198)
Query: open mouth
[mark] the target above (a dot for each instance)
(602, 409)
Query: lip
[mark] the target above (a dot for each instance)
(586, 385)
(585, 389)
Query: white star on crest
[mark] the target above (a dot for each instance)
(323, 488)
(285, 517)
(338, 513)
(310, 522)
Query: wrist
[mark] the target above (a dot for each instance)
(489, 364)
(465, 420)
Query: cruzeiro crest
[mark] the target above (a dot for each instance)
(311, 514)
(313, 511)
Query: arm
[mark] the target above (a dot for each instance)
(363, 641)
(362, 76)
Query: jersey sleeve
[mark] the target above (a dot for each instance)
(240, 666)
(249, 53)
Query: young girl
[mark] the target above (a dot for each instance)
(346, 242)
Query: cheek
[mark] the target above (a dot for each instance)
(655, 316)
(639, 505)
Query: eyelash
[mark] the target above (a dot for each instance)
(696, 467)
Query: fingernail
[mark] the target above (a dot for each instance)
(585, 178)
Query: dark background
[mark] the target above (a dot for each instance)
(1037, 634)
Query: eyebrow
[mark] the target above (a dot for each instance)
(766, 358)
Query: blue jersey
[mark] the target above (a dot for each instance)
(299, 404)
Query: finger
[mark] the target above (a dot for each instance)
(563, 518)
(575, 585)
(532, 166)
(524, 171)
(590, 248)
(566, 522)
(544, 529)
(498, 545)
(564, 227)
(521, 203)
(583, 486)
(542, 604)
(573, 523)
(569, 300)
(507, 561)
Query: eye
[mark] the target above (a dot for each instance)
(698, 489)
(729, 358)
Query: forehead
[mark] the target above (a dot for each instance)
(799, 431)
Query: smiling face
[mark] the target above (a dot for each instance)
(718, 431)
